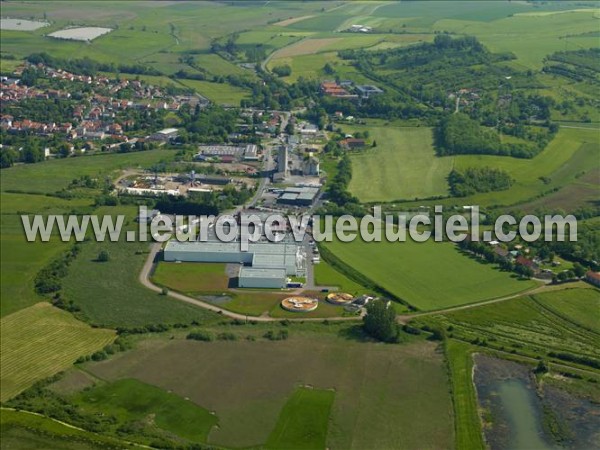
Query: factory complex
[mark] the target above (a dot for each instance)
(263, 265)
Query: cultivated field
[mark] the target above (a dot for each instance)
(534, 325)
(411, 375)
(402, 166)
(429, 275)
(41, 340)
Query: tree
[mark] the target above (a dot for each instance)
(578, 270)
(103, 256)
(7, 157)
(380, 322)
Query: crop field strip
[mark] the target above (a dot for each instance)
(40, 341)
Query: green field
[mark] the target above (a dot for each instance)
(21, 260)
(132, 401)
(303, 422)
(247, 384)
(26, 431)
(325, 275)
(113, 297)
(41, 340)
(581, 306)
(428, 275)
(220, 93)
(51, 176)
(402, 166)
(191, 277)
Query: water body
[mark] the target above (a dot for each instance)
(513, 413)
(523, 415)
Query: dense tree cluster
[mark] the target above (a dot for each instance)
(478, 179)
(380, 322)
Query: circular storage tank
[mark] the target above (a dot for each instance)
(340, 298)
(299, 304)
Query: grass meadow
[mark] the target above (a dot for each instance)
(40, 341)
(51, 176)
(110, 296)
(22, 430)
(303, 421)
(131, 400)
(402, 166)
(191, 277)
(220, 93)
(466, 417)
(410, 375)
(428, 275)
(21, 260)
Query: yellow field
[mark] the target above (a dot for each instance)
(42, 340)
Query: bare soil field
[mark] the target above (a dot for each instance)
(286, 22)
(305, 47)
(386, 395)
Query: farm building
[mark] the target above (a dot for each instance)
(250, 277)
(593, 278)
(353, 143)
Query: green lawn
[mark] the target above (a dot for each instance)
(402, 166)
(303, 422)
(131, 401)
(429, 275)
(192, 277)
(40, 341)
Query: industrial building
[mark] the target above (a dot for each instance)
(249, 277)
(298, 196)
(265, 264)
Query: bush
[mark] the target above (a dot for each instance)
(103, 256)
(200, 336)
(225, 336)
(281, 335)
